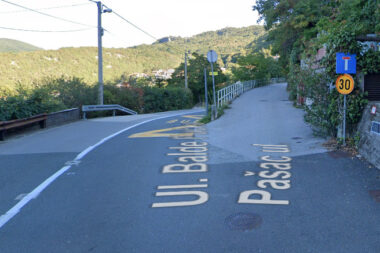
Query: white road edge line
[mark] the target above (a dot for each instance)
(34, 194)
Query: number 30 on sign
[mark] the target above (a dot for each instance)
(344, 84)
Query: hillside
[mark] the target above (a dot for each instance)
(25, 67)
(8, 45)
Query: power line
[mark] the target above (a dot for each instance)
(135, 26)
(138, 28)
(49, 8)
(143, 31)
(43, 31)
(45, 14)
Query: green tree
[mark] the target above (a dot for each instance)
(195, 70)
(256, 67)
(292, 23)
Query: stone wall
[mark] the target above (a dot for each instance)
(369, 145)
(62, 117)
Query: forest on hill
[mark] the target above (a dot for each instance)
(28, 67)
(52, 80)
(8, 45)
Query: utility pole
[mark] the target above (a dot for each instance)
(186, 86)
(101, 10)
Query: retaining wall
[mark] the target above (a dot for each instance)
(62, 117)
(369, 145)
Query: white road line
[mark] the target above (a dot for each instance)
(34, 194)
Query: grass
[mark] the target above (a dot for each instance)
(206, 119)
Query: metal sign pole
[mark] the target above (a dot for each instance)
(344, 120)
(213, 83)
(213, 57)
(214, 115)
(206, 98)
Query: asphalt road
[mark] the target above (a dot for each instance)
(255, 180)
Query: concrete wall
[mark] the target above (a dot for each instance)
(369, 145)
(62, 117)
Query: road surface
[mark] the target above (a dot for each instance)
(255, 180)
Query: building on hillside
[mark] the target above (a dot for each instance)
(163, 74)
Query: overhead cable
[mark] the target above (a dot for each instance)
(48, 8)
(43, 31)
(45, 14)
(135, 26)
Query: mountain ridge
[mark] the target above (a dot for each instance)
(28, 67)
(11, 45)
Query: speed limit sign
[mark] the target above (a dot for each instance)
(344, 84)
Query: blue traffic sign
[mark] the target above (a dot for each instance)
(345, 63)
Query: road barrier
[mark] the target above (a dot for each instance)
(114, 108)
(12, 124)
(230, 92)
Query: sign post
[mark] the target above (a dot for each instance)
(344, 85)
(345, 64)
(206, 98)
(213, 57)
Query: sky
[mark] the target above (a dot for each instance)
(159, 18)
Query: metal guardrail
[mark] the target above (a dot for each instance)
(92, 108)
(7, 125)
(230, 92)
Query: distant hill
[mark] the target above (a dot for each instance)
(8, 45)
(25, 67)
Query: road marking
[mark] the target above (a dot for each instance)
(35, 192)
(21, 196)
(193, 116)
(172, 121)
(186, 122)
(182, 186)
(188, 150)
(164, 133)
(202, 198)
(71, 163)
(249, 173)
(276, 170)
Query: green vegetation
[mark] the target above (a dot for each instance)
(47, 81)
(28, 67)
(52, 95)
(195, 71)
(298, 29)
(256, 66)
(206, 119)
(8, 45)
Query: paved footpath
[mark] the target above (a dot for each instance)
(255, 180)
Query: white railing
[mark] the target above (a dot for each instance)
(232, 91)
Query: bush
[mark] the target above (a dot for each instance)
(326, 112)
(166, 99)
(28, 103)
(131, 98)
(71, 91)
(51, 95)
